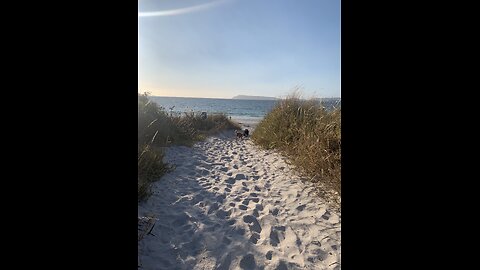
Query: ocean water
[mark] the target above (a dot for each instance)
(247, 112)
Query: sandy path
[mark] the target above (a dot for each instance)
(231, 205)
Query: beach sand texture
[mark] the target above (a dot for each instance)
(232, 205)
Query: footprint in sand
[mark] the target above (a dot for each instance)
(274, 240)
(248, 262)
(207, 185)
(255, 237)
(327, 215)
(254, 224)
(320, 255)
(277, 234)
(301, 207)
(230, 180)
(269, 255)
(223, 214)
(283, 266)
(240, 176)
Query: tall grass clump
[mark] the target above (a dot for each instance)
(157, 130)
(308, 134)
(150, 154)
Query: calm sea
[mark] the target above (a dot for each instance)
(247, 112)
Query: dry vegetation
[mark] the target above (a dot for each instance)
(308, 134)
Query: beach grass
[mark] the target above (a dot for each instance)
(308, 134)
(157, 130)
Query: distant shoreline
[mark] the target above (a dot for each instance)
(247, 113)
(251, 98)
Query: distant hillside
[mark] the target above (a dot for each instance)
(254, 97)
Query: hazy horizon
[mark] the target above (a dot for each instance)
(232, 96)
(224, 48)
(153, 95)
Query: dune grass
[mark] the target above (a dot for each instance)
(308, 134)
(157, 130)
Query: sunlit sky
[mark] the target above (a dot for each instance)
(223, 48)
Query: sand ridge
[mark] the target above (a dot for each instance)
(231, 205)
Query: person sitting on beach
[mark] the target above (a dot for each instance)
(245, 133)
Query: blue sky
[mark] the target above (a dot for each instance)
(223, 48)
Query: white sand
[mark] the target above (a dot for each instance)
(231, 205)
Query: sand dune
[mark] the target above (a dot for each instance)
(231, 205)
